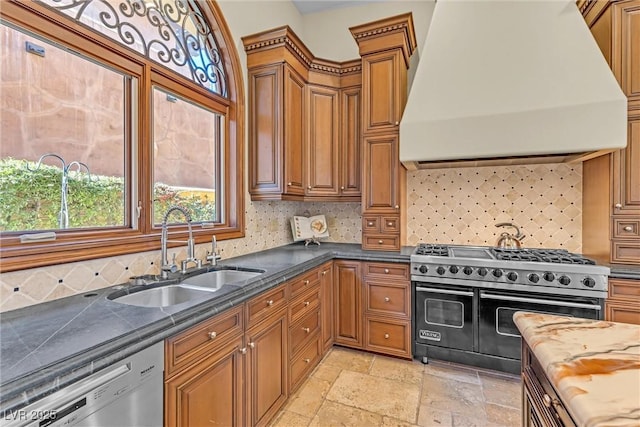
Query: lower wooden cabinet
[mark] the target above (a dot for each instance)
(326, 305)
(623, 304)
(347, 303)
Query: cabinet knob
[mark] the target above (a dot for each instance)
(380, 242)
(342, 188)
(289, 184)
(386, 271)
(243, 350)
(252, 345)
(628, 228)
(386, 336)
(306, 303)
(270, 302)
(370, 224)
(306, 282)
(618, 205)
(397, 123)
(212, 335)
(390, 224)
(308, 187)
(397, 207)
(387, 299)
(306, 360)
(307, 330)
(324, 273)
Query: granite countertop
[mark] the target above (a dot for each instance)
(593, 365)
(48, 346)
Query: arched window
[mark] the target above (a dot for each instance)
(113, 111)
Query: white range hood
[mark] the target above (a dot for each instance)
(508, 79)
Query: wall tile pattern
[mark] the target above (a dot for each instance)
(463, 205)
(459, 206)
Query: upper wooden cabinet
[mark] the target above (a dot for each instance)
(384, 80)
(304, 121)
(611, 184)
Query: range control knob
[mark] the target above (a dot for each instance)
(564, 280)
(512, 276)
(588, 282)
(440, 270)
(453, 269)
(482, 271)
(533, 278)
(467, 270)
(549, 276)
(423, 269)
(497, 273)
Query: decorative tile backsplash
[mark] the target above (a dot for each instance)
(458, 206)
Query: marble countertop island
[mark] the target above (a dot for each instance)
(593, 365)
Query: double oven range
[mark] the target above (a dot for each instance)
(464, 298)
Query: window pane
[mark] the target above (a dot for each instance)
(187, 152)
(172, 33)
(63, 141)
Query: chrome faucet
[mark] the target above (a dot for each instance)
(214, 255)
(166, 267)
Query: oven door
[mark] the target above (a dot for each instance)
(499, 335)
(444, 316)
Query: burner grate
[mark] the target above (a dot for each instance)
(556, 256)
(429, 249)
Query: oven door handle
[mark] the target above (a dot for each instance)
(485, 295)
(445, 291)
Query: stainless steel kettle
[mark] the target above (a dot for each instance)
(507, 240)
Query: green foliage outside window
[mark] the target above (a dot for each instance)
(30, 200)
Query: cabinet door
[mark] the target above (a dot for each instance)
(381, 180)
(626, 66)
(350, 142)
(326, 305)
(347, 303)
(382, 82)
(208, 393)
(322, 145)
(265, 131)
(294, 134)
(626, 173)
(266, 368)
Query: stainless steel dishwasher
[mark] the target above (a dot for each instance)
(127, 393)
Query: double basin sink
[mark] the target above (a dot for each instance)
(194, 288)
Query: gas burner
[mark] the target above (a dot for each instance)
(556, 256)
(434, 250)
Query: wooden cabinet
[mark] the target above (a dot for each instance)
(304, 121)
(387, 308)
(385, 47)
(541, 406)
(611, 184)
(623, 304)
(347, 303)
(326, 292)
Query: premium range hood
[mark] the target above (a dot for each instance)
(516, 81)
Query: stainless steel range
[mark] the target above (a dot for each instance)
(464, 298)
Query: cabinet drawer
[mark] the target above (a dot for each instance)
(299, 333)
(302, 364)
(260, 307)
(304, 304)
(390, 224)
(387, 298)
(624, 289)
(304, 281)
(622, 312)
(371, 223)
(625, 251)
(381, 242)
(193, 344)
(626, 228)
(388, 336)
(387, 270)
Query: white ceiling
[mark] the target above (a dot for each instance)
(311, 6)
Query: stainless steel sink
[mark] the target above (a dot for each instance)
(162, 296)
(218, 278)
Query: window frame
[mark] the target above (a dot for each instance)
(84, 244)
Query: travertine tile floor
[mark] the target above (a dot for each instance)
(353, 388)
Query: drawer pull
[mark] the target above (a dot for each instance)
(387, 299)
(386, 271)
(397, 207)
(342, 188)
(618, 205)
(370, 224)
(252, 345)
(390, 224)
(324, 273)
(289, 184)
(306, 360)
(386, 336)
(306, 282)
(380, 242)
(306, 303)
(628, 228)
(243, 350)
(307, 330)
(270, 302)
(308, 187)
(212, 335)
